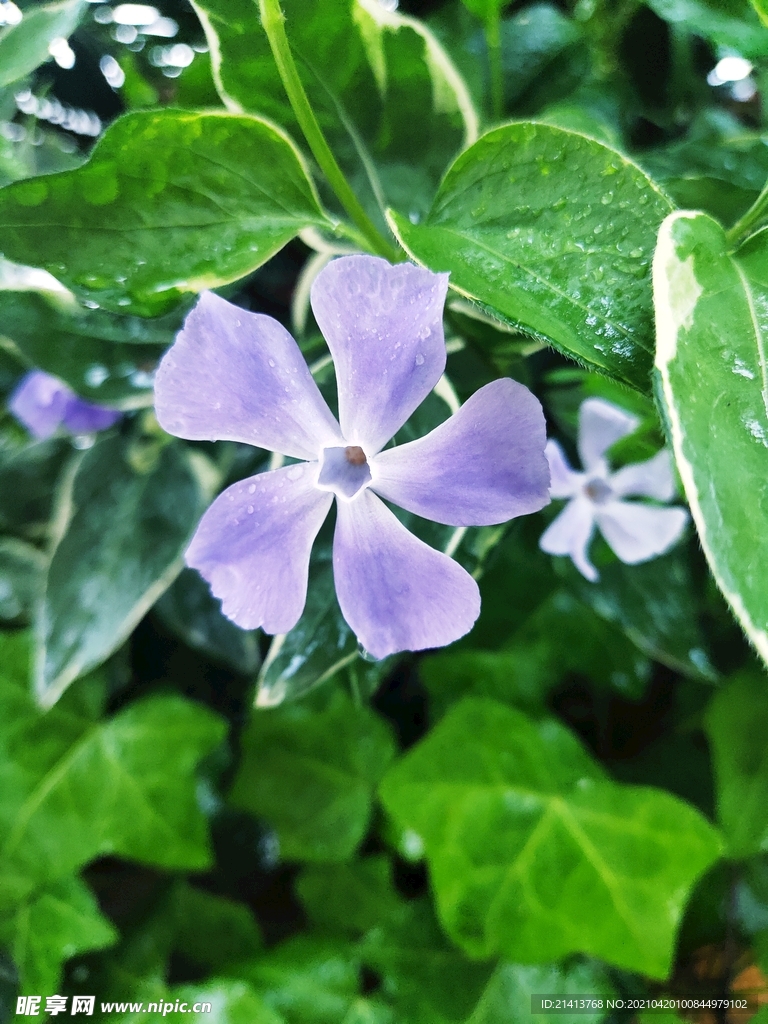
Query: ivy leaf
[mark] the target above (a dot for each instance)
(737, 723)
(58, 922)
(120, 549)
(535, 854)
(729, 24)
(551, 232)
(73, 788)
(712, 368)
(349, 898)
(507, 999)
(25, 46)
(311, 775)
(212, 931)
(169, 202)
(382, 87)
(28, 477)
(21, 578)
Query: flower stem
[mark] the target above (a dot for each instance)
(273, 21)
(757, 213)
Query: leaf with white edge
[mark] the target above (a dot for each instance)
(25, 46)
(507, 999)
(311, 775)
(58, 922)
(73, 788)
(382, 86)
(711, 326)
(534, 854)
(551, 232)
(169, 202)
(737, 725)
(119, 550)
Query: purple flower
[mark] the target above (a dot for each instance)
(42, 403)
(240, 376)
(635, 531)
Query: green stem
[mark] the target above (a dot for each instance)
(273, 20)
(493, 40)
(757, 212)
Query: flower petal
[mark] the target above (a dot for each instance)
(232, 375)
(484, 465)
(84, 417)
(601, 424)
(639, 532)
(396, 592)
(384, 327)
(564, 482)
(651, 479)
(570, 534)
(38, 402)
(253, 546)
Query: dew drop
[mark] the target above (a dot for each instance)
(419, 359)
(252, 489)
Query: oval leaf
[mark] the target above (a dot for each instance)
(553, 233)
(170, 202)
(714, 385)
(24, 46)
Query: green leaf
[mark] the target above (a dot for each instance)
(307, 980)
(737, 724)
(713, 386)
(535, 854)
(21, 578)
(73, 788)
(552, 232)
(104, 358)
(219, 1002)
(28, 478)
(169, 202)
(120, 548)
(311, 775)
(380, 83)
(762, 10)
(729, 23)
(212, 931)
(189, 609)
(349, 898)
(507, 999)
(58, 922)
(24, 46)
(426, 977)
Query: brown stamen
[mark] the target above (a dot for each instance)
(355, 455)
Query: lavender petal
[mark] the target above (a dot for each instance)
(384, 327)
(601, 425)
(396, 592)
(253, 546)
(482, 466)
(651, 479)
(38, 402)
(570, 534)
(638, 532)
(239, 376)
(82, 417)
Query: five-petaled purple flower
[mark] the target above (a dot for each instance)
(43, 403)
(634, 530)
(233, 375)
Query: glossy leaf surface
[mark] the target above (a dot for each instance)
(551, 232)
(535, 854)
(169, 202)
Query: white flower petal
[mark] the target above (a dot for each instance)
(637, 532)
(570, 534)
(601, 425)
(565, 482)
(651, 479)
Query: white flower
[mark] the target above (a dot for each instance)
(634, 530)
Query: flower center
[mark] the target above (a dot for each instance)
(598, 490)
(345, 471)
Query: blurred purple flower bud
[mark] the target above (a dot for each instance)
(43, 403)
(635, 531)
(240, 376)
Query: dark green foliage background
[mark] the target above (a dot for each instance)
(571, 800)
